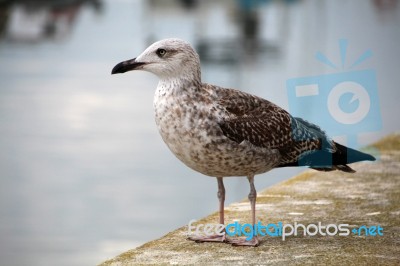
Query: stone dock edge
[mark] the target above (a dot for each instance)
(369, 197)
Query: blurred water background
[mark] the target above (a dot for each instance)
(84, 174)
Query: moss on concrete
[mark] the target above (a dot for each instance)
(369, 197)
(389, 143)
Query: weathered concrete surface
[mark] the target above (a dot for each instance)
(369, 197)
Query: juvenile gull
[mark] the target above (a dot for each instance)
(222, 132)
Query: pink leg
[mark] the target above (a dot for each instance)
(221, 198)
(252, 198)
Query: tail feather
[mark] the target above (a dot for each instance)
(343, 168)
(337, 160)
(344, 155)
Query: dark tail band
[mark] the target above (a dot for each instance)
(334, 161)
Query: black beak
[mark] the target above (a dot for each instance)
(127, 65)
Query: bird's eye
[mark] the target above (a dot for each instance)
(161, 52)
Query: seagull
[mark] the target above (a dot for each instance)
(222, 132)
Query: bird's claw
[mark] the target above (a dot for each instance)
(212, 238)
(243, 242)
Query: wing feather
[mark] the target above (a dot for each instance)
(266, 125)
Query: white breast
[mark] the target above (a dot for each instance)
(175, 123)
(189, 127)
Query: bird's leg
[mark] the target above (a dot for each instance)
(252, 198)
(221, 198)
(216, 237)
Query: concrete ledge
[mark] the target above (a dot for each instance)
(369, 197)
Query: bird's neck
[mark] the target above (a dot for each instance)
(186, 77)
(177, 85)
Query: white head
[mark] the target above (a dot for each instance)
(168, 59)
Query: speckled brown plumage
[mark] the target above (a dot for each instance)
(265, 124)
(224, 132)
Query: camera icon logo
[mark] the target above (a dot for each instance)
(342, 103)
(358, 94)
